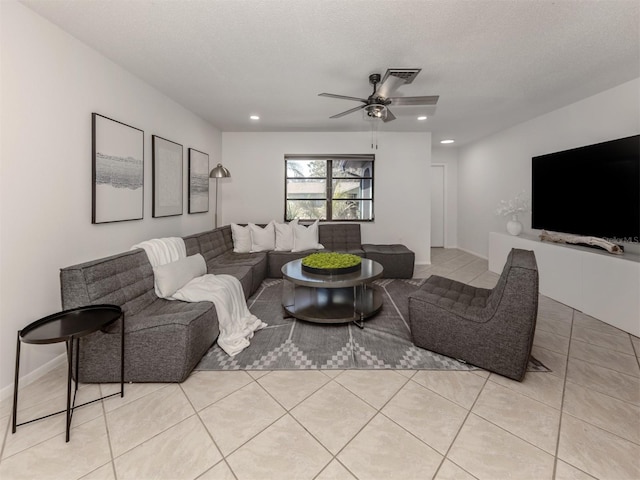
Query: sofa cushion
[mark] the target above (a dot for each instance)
(305, 238)
(191, 244)
(398, 261)
(257, 261)
(284, 236)
(340, 237)
(164, 342)
(241, 238)
(212, 244)
(241, 272)
(263, 239)
(170, 277)
(125, 279)
(455, 297)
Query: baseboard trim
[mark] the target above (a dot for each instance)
(473, 253)
(31, 377)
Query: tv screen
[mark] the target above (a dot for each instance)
(591, 191)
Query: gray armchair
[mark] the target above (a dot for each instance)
(492, 329)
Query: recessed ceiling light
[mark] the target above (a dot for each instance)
(447, 141)
(254, 117)
(423, 117)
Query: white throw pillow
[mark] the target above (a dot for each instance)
(241, 238)
(306, 238)
(284, 236)
(263, 239)
(171, 277)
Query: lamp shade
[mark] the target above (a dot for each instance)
(219, 172)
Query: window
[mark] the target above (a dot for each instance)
(335, 188)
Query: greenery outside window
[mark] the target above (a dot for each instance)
(329, 187)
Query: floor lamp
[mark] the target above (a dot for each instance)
(218, 172)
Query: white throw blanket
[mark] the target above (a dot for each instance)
(237, 323)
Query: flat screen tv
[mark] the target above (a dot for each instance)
(592, 191)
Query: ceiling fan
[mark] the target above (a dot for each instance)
(376, 105)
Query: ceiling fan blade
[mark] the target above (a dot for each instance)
(390, 116)
(389, 86)
(408, 101)
(342, 97)
(348, 111)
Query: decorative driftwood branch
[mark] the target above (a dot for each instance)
(575, 239)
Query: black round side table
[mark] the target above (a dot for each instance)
(68, 326)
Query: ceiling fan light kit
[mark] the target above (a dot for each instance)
(374, 112)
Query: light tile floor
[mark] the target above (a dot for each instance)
(582, 421)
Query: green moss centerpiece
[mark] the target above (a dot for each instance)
(331, 263)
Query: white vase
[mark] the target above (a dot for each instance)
(514, 227)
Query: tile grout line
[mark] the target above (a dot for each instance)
(197, 414)
(224, 396)
(158, 433)
(293, 417)
(564, 388)
(286, 412)
(106, 427)
(378, 411)
(633, 347)
(53, 435)
(4, 438)
(446, 454)
(442, 396)
(526, 394)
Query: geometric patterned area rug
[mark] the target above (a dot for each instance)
(290, 344)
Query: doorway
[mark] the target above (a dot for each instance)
(437, 205)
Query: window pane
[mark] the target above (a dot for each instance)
(352, 210)
(352, 168)
(306, 209)
(301, 189)
(352, 188)
(306, 168)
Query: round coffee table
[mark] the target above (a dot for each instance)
(338, 298)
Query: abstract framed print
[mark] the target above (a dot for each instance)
(198, 181)
(117, 171)
(167, 177)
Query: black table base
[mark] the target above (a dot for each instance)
(69, 335)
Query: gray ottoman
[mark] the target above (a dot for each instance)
(396, 259)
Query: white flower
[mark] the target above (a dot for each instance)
(519, 204)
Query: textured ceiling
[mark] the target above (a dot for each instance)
(494, 63)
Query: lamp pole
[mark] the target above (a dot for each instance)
(215, 214)
(218, 172)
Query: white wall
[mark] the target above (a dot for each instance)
(448, 156)
(50, 85)
(499, 167)
(255, 192)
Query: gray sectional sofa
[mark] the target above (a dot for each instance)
(164, 340)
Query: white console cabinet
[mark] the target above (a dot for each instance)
(595, 282)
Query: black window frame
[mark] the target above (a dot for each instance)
(329, 179)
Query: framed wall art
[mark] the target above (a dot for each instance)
(167, 177)
(117, 171)
(198, 181)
